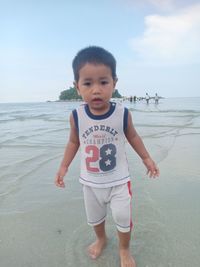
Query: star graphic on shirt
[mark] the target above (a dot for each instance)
(108, 162)
(108, 151)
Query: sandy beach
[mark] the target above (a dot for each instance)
(42, 225)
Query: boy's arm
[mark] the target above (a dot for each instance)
(136, 142)
(70, 152)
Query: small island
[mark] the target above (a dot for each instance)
(71, 94)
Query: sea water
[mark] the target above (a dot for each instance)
(42, 225)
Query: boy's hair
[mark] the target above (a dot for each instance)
(94, 55)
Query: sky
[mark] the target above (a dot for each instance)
(156, 44)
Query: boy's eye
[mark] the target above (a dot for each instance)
(104, 82)
(87, 84)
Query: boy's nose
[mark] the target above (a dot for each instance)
(96, 89)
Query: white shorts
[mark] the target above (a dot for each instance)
(118, 197)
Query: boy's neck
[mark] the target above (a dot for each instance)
(101, 111)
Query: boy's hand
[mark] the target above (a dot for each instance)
(59, 179)
(152, 169)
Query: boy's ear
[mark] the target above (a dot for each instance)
(76, 87)
(115, 82)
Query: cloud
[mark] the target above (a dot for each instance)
(170, 38)
(161, 5)
(167, 4)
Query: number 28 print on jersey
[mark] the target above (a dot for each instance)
(100, 159)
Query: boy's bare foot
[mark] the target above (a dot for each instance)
(126, 259)
(96, 248)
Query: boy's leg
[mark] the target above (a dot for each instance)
(121, 210)
(96, 214)
(96, 248)
(124, 251)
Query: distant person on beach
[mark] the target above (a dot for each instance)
(156, 98)
(147, 97)
(99, 127)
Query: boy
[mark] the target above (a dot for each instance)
(100, 127)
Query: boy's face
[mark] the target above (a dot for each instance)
(96, 86)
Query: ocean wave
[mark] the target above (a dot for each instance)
(7, 120)
(31, 136)
(34, 145)
(14, 184)
(187, 134)
(3, 113)
(188, 111)
(163, 125)
(33, 117)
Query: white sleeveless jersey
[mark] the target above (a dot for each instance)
(102, 142)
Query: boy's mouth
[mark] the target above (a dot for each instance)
(97, 100)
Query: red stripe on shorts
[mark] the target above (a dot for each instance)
(130, 193)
